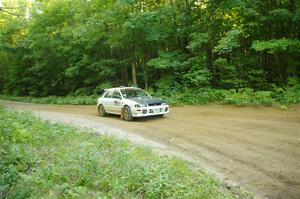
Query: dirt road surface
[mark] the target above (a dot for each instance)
(256, 148)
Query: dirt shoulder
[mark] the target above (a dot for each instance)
(256, 148)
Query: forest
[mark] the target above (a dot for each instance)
(169, 47)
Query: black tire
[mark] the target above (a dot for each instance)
(127, 115)
(101, 110)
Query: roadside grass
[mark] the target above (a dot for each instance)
(40, 159)
(75, 100)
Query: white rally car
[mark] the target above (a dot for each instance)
(130, 102)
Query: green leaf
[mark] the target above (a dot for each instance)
(277, 45)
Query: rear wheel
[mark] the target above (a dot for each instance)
(101, 110)
(127, 115)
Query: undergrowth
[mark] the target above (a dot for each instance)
(243, 96)
(240, 97)
(39, 159)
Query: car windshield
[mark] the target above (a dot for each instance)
(131, 93)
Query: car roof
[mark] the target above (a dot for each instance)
(122, 87)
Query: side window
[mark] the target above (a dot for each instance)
(108, 94)
(116, 94)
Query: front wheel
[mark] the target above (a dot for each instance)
(127, 115)
(101, 110)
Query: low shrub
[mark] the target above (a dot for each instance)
(240, 97)
(248, 97)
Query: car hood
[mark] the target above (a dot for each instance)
(147, 100)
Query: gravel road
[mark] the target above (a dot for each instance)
(255, 148)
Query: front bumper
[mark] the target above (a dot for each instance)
(149, 111)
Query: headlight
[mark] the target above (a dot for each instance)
(164, 104)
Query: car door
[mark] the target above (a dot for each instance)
(116, 102)
(107, 101)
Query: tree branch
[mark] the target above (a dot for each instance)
(1, 9)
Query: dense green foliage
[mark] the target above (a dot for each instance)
(39, 159)
(61, 47)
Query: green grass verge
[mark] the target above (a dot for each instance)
(39, 159)
(75, 100)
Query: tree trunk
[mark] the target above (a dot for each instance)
(133, 68)
(145, 70)
(213, 67)
(278, 67)
(126, 75)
